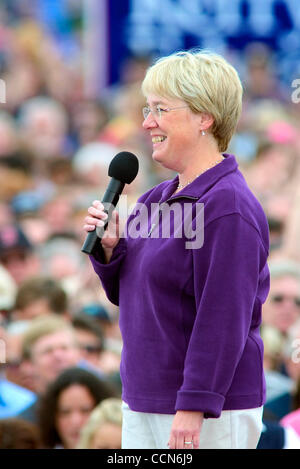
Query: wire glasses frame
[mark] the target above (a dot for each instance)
(158, 110)
(280, 298)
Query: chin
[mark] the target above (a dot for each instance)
(163, 163)
(156, 156)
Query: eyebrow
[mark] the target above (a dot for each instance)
(157, 102)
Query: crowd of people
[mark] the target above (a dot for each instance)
(60, 342)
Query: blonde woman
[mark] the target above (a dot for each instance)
(190, 301)
(103, 430)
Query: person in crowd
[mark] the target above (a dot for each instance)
(91, 161)
(17, 254)
(16, 433)
(96, 353)
(62, 260)
(6, 214)
(35, 297)
(43, 123)
(103, 430)
(40, 296)
(90, 339)
(50, 346)
(292, 231)
(8, 291)
(8, 134)
(272, 176)
(261, 82)
(108, 319)
(291, 420)
(279, 331)
(67, 404)
(57, 212)
(282, 308)
(17, 369)
(13, 397)
(190, 316)
(291, 355)
(276, 435)
(14, 178)
(87, 119)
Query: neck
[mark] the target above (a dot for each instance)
(191, 173)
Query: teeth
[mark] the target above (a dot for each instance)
(158, 139)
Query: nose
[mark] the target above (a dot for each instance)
(150, 122)
(77, 420)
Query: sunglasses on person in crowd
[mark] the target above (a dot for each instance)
(91, 348)
(280, 298)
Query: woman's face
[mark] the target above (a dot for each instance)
(74, 406)
(176, 135)
(108, 436)
(282, 309)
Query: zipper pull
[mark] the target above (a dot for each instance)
(151, 229)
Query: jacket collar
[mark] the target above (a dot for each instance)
(203, 182)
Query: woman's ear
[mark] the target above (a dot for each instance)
(206, 120)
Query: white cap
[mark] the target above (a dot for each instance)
(94, 154)
(8, 289)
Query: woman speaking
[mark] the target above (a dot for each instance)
(192, 359)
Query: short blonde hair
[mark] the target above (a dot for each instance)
(108, 411)
(206, 82)
(42, 326)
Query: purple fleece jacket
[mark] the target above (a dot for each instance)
(190, 318)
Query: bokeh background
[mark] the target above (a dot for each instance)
(70, 75)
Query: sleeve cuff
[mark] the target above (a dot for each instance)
(211, 404)
(97, 259)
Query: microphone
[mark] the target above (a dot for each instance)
(123, 170)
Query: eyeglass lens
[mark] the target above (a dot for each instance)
(280, 298)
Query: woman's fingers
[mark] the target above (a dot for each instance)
(113, 226)
(97, 213)
(188, 442)
(97, 218)
(94, 221)
(88, 227)
(97, 204)
(186, 428)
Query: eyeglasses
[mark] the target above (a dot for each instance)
(158, 110)
(280, 298)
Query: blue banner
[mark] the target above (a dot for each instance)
(160, 27)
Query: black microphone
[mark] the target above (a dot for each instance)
(123, 170)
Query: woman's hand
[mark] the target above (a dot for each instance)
(97, 218)
(186, 427)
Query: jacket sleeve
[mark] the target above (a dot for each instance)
(225, 277)
(109, 273)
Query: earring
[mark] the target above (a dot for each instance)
(203, 133)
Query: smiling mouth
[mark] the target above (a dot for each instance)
(158, 139)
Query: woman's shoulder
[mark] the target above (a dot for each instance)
(231, 196)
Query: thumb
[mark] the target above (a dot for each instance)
(113, 225)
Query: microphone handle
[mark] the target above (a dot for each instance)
(110, 200)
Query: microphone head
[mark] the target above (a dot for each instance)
(124, 167)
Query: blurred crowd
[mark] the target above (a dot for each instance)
(60, 343)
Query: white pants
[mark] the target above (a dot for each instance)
(234, 429)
